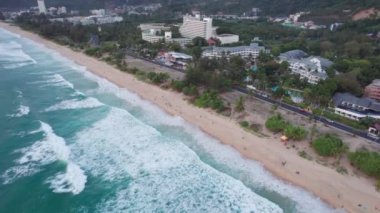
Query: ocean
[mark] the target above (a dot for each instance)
(73, 142)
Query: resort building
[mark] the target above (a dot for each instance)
(373, 90)
(196, 26)
(312, 68)
(41, 6)
(251, 51)
(152, 35)
(355, 108)
(227, 38)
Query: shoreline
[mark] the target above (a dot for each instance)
(335, 189)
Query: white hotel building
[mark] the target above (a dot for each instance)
(195, 26)
(251, 51)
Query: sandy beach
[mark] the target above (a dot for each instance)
(341, 191)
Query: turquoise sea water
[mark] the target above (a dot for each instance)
(73, 142)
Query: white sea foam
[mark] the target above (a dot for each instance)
(164, 174)
(72, 180)
(54, 80)
(75, 104)
(21, 111)
(48, 150)
(252, 172)
(12, 56)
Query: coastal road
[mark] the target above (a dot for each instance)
(325, 121)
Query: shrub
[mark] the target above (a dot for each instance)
(368, 162)
(190, 91)
(295, 133)
(244, 124)
(157, 78)
(210, 99)
(275, 123)
(239, 105)
(328, 145)
(378, 185)
(178, 85)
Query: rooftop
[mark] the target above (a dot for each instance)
(339, 98)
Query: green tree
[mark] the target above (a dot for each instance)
(199, 42)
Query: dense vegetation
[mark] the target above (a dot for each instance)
(210, 99)
(328, 145)
(366, 161)
(277, 124)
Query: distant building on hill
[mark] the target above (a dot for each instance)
(373, 90)
(355, 108)
(196, 26)
(253, 51)
(312, 68)
(41, 6)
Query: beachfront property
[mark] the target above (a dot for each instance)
(373, 90)
(312, 68)
(197, 26)
(252, 51)
(174, 59)
(355, 108)
(227, 38)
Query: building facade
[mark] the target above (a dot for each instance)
(355, 108)
(251, 51)
(196, 26)
(373, 90)
(312, 68)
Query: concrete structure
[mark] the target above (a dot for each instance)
(196, 26)
(373, 90)
(41, 6)
(355, 108)
(152, 35)
(228, 38)
(312, 68)
(252, 51)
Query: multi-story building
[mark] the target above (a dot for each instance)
(251, 51)
(355, 108)
(196, 26)
(312, 68)
(373, 90)
(152, 35)
(41, 6)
